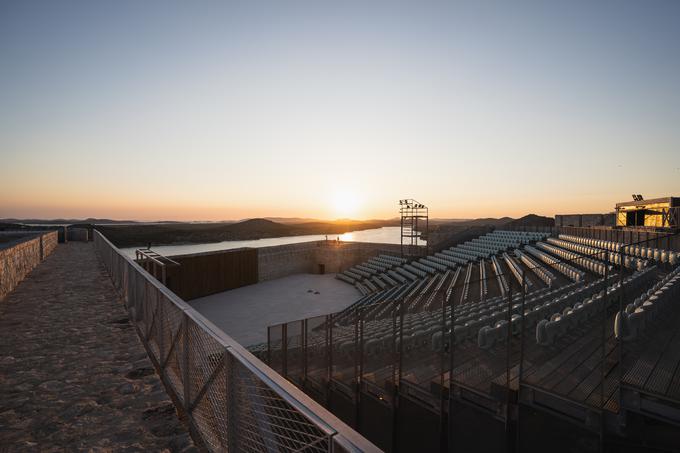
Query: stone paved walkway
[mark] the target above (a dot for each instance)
(73, 374)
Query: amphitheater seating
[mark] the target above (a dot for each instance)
(634, 250)
(367, 269)
(352, 275)
(598, 254)
(466, 284)
(407, 274)
(424, 267)
(434, 264)
(345, 278)
(443, 260)
(545, 275)
(372, 286)
(379, 282)
(658, 299)
(438, 289)
(516, 270)
(500, 276)
(470, 318)
(415, 270)
(362, 289)
(569, 271)
(389, 280)
(397, 276)
(384, 271)
(375, 267)
(587, 263)
(565, 316)
(483, 287)
(486, 321)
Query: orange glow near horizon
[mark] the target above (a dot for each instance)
(235, 110)
(340, 205)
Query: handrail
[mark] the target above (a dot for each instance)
(326, 423)
(154, 256)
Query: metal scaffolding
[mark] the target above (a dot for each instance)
(413, 215)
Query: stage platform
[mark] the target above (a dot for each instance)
(244, 313)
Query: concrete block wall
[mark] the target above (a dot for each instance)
(17, 260)
(341, 256)
(282, 260)
(584, 220)
(78, 234)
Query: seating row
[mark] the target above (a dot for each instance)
(599, 254)
(450, 256)
(545, 275)
(483, 287)
(560, 322)
(637, 250)
(588, 263)
(516, 270)
(430, 262)
(466, 285)
(485, 325)
(424, 267)
(500, 277)
(571, 272)
(442, 259)
(658, 299)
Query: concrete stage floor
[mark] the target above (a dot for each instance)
(244, 313)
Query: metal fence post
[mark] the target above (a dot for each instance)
(185, 372)
(230, 383)
(521, 355)
(284, 349)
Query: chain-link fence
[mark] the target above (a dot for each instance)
(232, 401)
(531, 327)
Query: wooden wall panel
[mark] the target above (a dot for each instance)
(203, 274)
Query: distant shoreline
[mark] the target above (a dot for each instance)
(187, 234)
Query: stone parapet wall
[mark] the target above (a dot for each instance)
(17, 260)
(50, 241)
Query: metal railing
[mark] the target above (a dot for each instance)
(232, 401)
(152, 262)
(404, 348)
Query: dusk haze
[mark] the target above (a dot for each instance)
(230, 110)
(340, 226)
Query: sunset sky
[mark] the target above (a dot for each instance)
(227, 110)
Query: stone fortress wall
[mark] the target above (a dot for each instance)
(21, 255)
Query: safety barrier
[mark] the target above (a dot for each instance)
(231, 400)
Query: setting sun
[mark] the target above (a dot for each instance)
(345, 203)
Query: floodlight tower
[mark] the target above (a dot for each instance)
(413, 216)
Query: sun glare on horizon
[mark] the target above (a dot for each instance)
(345, 204)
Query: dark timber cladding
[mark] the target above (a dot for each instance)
(202, 274)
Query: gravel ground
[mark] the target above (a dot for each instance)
(73, 374)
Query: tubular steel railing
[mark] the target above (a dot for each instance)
(233, 402)
(152, 262)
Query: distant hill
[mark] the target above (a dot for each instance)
(285, 220)
(527, 220)
(161, 234)
(67, 221)
(532, 220)
(488, 221)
